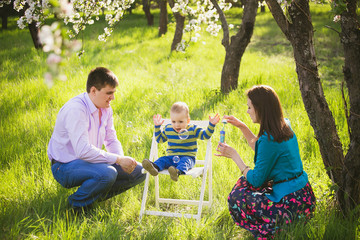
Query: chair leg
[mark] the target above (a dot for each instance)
(143, 202)
(157, 195)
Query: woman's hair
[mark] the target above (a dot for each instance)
(100, 77)
(269, 113)
(179, 107)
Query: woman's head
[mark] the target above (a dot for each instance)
(268, 112)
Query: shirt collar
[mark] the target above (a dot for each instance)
(90, 104)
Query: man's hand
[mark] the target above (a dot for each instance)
(127, 163)
(158, 120)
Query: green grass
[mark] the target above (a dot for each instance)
(33, 204)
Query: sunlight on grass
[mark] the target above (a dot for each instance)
(151, 79)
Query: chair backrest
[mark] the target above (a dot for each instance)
(203, 124)
(200, 123)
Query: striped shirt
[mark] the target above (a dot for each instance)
(182, 147)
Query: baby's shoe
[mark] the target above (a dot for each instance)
(174, 173)
(149, 166)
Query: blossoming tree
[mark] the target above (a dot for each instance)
(343, 170)
(208, 13)
(72, 17)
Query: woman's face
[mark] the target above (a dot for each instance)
(251, 111)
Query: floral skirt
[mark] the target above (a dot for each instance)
(253, 211)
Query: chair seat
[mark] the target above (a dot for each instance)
(194, 172)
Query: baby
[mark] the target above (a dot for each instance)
(181, 151)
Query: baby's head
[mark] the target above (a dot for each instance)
(179, 114)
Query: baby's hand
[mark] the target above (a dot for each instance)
(214, 120)
(158, 120)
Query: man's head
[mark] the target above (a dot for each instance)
(101, 86)
(179, 114)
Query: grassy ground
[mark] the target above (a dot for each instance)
(33, 204)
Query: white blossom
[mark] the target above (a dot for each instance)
(337, 18)
(53, 59)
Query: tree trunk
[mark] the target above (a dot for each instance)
(180, 22)
(349, 197)
(342, 171)
(149, 16)
(34, 32)
(236, 47)
(4, 21)
(163, 17)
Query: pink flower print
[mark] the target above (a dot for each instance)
(263, 206)
(267, 220)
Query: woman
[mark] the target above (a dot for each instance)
(277, 190)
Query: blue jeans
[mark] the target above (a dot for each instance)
(183, 164)
(97, 181)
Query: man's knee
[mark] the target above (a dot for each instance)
(137, 174)
(109, 175)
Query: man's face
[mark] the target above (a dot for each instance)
(179, 120)
(102, 98)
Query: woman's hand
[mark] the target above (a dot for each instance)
(158, 120)
(234, 121)
(229, 152)
(225, 151)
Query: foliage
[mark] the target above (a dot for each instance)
(33, 204)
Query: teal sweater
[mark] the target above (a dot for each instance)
(277, 161)
(182, 147)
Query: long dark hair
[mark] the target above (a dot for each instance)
(268, 110)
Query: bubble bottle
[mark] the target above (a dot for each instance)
(222, 132)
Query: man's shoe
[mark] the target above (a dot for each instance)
(174, 173)
(149, 166)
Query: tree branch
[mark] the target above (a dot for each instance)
(279, 16)
(329, 27)
(226, 39)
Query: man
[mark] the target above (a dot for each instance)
(84, 124)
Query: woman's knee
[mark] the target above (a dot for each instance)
(231, 199)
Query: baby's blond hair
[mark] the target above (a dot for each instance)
(179, 107)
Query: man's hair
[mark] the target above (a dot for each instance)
(100, 77)
(269, 112)
(179, 107)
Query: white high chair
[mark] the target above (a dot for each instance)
(195, 172)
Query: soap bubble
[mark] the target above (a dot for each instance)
(224, 121)
(129, 124)
(183, 134)
(176, 159)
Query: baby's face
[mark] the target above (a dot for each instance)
(179, 120)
